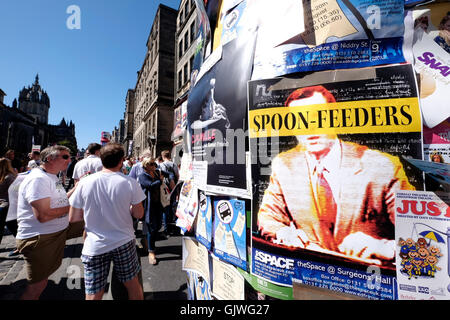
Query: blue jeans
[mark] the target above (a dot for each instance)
(151, 239)
(167, 217)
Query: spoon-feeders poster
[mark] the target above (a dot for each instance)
(326, 161)
(217, 121)
(230, 231)
(422, 233)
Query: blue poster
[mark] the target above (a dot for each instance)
(369, 283)
(204, 220)
(230, 231)
(339, 34)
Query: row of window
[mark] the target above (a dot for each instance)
(184, 74)
(187, 39)
(184, 12)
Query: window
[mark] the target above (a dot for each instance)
(180, 48)
(186, 41)
(191, 64)
(185, 75)
(181, 17)
(180, 79)
(186, 10)
(192, 31)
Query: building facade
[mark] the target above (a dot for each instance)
(185, 41)
(128, 118)
(154, 90)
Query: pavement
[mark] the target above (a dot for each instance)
(164, 281)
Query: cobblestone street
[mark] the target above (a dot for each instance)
(164, 281)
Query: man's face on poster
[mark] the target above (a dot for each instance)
(319, 143)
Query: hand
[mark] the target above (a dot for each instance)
(364, 246)
(292, 237)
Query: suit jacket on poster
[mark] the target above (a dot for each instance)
(368, 179)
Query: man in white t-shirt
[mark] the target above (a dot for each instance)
(107, 201)
(89, 165)
(43, 221)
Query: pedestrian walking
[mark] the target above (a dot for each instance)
(88, 165)
(107, 201)
(43, 220)
(171, 178)
(150, 181)
(7, 176)
(11, 218)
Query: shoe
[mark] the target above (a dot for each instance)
(152, 258)
(13, 253)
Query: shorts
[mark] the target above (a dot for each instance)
(43, 254)
(96, 268)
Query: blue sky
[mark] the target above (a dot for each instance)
(85, 72)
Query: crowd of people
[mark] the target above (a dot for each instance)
(101, 197)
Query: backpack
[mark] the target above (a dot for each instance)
(168, 167)
(164, 195)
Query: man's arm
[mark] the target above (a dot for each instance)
(273, 215)
(137, 210)
(75, 215)
(43, 212)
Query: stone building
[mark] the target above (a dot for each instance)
(184, 59)
(128, 118)
(26, 123)
(154, 91)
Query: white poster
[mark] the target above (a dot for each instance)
(422, 232)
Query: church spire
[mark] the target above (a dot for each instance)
(36, 81)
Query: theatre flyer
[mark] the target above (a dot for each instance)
(187, 206)
(228, 283)
(337, 34)
(436, 142)
(422, 233)
(216, 117)
(326, 161)
(432, 60)
(203, 229)
(230, 231)
(195, 258)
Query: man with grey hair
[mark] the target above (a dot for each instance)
(43, 221)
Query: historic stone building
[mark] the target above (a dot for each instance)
(154, 91)
(184, 59)
(128, 118)
(26, 123)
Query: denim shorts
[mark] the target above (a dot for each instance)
(96, 268)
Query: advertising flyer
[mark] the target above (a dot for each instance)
(325, 165)
(203, 229)
(422, 234)
(216, 118)
(187, 206)
(228, 283)
(195, 257)
(265, 287)
(338, 34)
(431, 49)
(436, 142)
(230, 231)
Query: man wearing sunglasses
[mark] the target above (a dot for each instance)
(43, 221)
